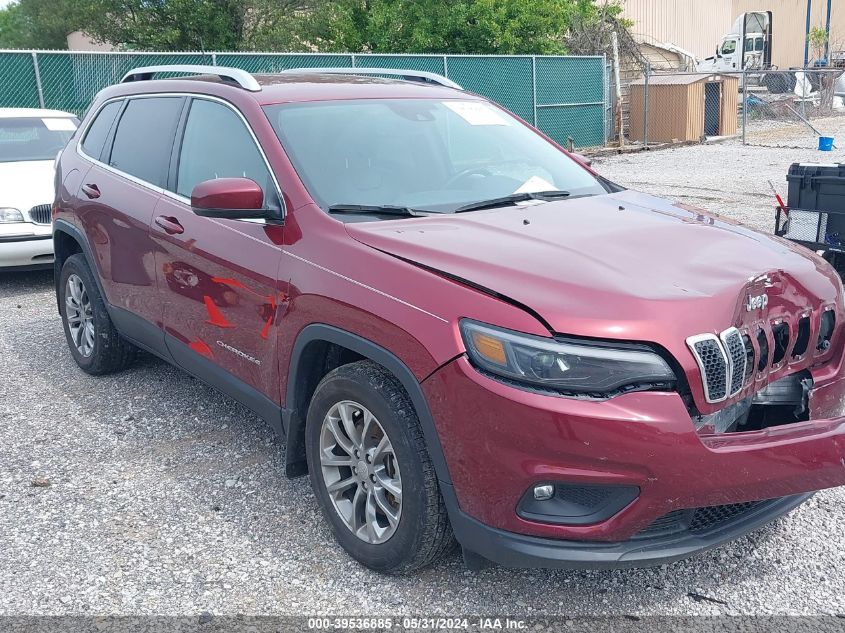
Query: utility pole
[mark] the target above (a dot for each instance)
(827, 30)
(620, 118)
(807, 33)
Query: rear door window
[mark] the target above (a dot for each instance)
(143, 140)
(95, 137)
(217, 144)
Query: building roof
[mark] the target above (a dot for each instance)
(684, 79)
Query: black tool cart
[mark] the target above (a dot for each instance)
(815, 210)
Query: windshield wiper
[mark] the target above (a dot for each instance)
(378, 209)
(545, 196)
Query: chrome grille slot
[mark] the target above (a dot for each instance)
(763, 344)
(826, 330)
(714, 365)
(41, 214)
(735, 348)
(749, 357)
(802, 339)
(780, 334)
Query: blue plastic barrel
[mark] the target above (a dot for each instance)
(826, 143)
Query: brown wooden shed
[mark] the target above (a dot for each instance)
(685, 107)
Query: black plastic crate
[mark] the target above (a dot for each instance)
(816, 187)
(816, 201)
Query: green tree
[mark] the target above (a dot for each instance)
(38, 24)
(818, 39)
(12, 27)
(444, 26)
(167, 25)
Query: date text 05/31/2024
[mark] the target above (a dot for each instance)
(417, 623)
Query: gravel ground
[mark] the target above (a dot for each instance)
(149, 493)
(789, 132)
(724, 177)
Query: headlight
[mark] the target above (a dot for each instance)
(9, 215)
(587, 369)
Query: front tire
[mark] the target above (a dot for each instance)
(371, 472)
(92, 338)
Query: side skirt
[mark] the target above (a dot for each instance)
(221, 380)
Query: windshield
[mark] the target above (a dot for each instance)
(420, 153)
(34, 138)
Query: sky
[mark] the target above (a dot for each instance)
(5, 3)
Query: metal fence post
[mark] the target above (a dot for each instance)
(606, 96)
(353, 61)
(744, 103)
(534, 87)
(214, 59)
(804, 83)
(38, 80)
(446, 66)
(645, 103)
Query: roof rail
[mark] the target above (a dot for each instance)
(407, 74)
(240, 77)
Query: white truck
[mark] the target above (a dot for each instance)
(747, 47)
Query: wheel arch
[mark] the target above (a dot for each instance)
(305, 372)
(69, 240)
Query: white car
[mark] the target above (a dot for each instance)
(30, 140)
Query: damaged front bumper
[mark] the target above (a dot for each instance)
(694, 491)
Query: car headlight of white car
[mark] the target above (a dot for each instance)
(10, 216)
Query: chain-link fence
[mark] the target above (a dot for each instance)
(566, 97)
(773, 108)
(793, 108)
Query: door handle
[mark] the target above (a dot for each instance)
(170, 225)
(92, 191)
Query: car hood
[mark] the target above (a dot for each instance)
(623, 266)
(26, 184)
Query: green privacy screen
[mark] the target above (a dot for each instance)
(566, 97)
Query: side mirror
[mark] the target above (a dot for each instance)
(582, 159)
(229, 198)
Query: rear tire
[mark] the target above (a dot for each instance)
(410, 529)
(93, 341)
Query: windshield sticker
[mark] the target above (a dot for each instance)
(535, 184)
(59, 125)
(476, 112)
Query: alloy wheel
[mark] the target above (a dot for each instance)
(360, 472)
(80, 315)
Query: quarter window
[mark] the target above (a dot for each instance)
(217, 144)
(95, 137)
(144, 138)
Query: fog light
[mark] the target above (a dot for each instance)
(541, 493)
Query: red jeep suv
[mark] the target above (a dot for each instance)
(462, 331)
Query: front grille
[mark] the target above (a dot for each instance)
(713, 363)
(699, 520)
(802, 339)
(826, 330)
(704, 519)
(780, 334)
(749, 357)
(667, 524)
(41, 214)
(735, 348)
(763, 344)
